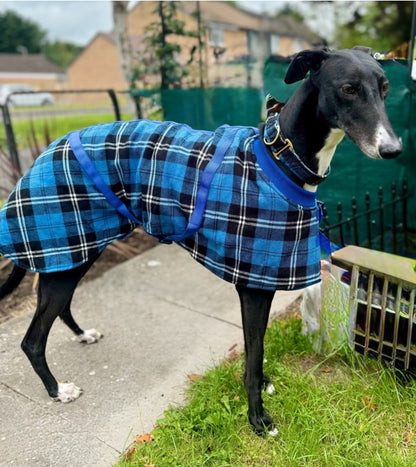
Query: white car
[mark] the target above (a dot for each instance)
(37, 98)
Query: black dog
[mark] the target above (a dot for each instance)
(344, 94)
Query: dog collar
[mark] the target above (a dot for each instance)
(283, 151)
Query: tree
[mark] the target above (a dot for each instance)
(17, 32)
(382, 25)
(170, 71)
(21, 35)
(288, 11)
(164, 51)
(61, 53)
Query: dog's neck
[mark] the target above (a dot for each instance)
(314, 141)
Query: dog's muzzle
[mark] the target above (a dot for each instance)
(391, 149)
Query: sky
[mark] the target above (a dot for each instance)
(67, 21)
(79, 21)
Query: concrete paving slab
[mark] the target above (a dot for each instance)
(163, 317)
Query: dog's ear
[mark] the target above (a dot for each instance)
(363, 48)
(303, 62)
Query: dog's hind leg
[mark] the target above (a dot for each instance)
(255, 309)
(54, 297)
(12, 282)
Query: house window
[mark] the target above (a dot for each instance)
(216, 37)
(298, 45)
(274, 43)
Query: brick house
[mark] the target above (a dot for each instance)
(96, 67)
(237, 43)
(33, 69)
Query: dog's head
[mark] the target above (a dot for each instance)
(351, 88)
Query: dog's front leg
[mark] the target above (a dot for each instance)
(255, 309)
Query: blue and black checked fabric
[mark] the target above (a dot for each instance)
(259, 229)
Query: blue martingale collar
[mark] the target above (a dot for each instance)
(289, 188)
(282, 149)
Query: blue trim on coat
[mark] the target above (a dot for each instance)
(284, 184)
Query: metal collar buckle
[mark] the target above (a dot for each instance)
(288, 144)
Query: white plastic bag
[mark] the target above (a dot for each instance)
(324, 310)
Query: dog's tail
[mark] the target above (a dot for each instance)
(12, 281)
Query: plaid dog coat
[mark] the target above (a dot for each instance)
(243, 218)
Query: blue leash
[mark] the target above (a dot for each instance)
(326, 245)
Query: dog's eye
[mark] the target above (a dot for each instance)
(348, 89)
(385, 88)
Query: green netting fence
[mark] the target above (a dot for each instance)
(207, 109)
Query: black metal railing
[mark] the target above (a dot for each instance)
(12, 146)
(381, 225)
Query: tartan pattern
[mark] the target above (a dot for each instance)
(253, 233)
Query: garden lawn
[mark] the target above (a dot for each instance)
(340, 410)
(53, 127)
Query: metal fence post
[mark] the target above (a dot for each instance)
(11, 142)
(114, 101)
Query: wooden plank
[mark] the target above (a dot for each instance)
(397, 268)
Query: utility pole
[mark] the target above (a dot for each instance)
(200, 45)
(163, 67)
(122, 39)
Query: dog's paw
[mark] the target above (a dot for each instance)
(267, 385)
(263, 424)
(89, 336)
(68, 392)
(273, 432)
(270, 389)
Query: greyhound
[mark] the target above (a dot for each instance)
(343, 94)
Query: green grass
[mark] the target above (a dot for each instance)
(57, 126)
(331, 411)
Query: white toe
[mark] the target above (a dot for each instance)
(89, 336)
(270, 389)
(68, 392)
(274, 432)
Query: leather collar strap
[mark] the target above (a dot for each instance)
(283, 151)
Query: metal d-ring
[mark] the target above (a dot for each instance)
(275, 139)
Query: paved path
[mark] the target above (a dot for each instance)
(163, 317)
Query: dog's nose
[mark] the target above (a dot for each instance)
(391, 149)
